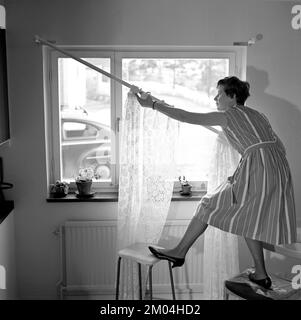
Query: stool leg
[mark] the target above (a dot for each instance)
(226, 294)
(140, 281)
(117, 280)
(150, 282)
(171, 281)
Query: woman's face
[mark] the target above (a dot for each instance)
(223, 102)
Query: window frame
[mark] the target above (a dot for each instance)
(237, 66)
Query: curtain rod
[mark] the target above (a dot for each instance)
(39, 40)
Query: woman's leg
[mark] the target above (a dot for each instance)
(193, 231)
(256, 250)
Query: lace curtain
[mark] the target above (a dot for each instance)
(147, 170)
(220, 248)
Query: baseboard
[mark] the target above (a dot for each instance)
(160, 292)
(156, 297)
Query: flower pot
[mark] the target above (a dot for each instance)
(186, 189)
(84, 187)
(59, 190)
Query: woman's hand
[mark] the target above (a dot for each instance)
(145, 100)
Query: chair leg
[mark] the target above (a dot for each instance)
(171, 281)
(226, 293)
(140, 281)
(117, 280)
(150, 282)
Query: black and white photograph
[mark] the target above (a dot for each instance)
(150, 153)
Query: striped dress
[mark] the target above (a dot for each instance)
(257, 202)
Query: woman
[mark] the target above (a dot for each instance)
(257, 202)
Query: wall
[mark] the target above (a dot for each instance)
(8, 285)
(7, 259)
(274, 71)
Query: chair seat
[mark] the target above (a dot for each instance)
(281, 288)
(139, 252)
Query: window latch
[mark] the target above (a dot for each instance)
(117, 124)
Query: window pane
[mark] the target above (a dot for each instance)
(85, 113)
(188, 84)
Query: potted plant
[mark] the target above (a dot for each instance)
(186, 187)
(84, 181)
(59, 189)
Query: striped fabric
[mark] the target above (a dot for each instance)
(257, 202)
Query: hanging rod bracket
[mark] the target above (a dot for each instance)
(37, 39)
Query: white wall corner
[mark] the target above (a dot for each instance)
(2, 17)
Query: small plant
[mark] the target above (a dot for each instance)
(85, 174)
(59, 189)
(183, 181)
(186, 187)
(84, 182)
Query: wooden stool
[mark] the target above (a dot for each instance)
(140, 253)
(282, 288)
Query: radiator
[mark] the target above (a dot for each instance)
(88, 259)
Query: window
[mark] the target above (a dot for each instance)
(86, 106)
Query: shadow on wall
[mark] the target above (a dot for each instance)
(284, 116)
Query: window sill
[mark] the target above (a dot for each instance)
(113, 197)
(195, 196)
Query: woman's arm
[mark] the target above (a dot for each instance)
(203, 119)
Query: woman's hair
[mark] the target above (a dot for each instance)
(233, 86)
